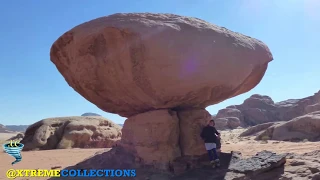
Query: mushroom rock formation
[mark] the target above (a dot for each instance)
(153, 68)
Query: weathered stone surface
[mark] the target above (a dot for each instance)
(228, 118)
(136, 62)
(191, 123)
(71, 132)
(153, 137)
(233, 122)
(257, 128)
(221, 123)
(312, 108)
(263, 161)
(259, 109)
(300, 128)
(17, 137)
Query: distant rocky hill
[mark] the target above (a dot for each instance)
(3, 129)
(90, 114)
(17, 128)
(259, 109)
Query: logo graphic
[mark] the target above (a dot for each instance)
(13, 148)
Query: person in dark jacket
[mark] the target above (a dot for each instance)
(210, 135)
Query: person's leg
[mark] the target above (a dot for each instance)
(210, 155)
(209, 150)
(215, 154)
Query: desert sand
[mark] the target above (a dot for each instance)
(47, 159)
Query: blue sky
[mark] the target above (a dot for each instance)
(32, 89)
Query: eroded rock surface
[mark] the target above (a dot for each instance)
(71, 132)
(153, 137)
(191, 123)
(300, 128)
(136, 62)
(259, 109)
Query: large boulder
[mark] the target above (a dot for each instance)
(299, 128)
(71, 132)
(228, 118)
(136, 62)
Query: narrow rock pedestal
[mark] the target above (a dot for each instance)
(160, 138)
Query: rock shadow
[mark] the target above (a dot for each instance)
(118, 158)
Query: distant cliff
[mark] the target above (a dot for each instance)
(17, 128)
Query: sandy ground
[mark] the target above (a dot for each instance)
(5, 136)
(230, 142)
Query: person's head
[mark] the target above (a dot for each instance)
(211, 123)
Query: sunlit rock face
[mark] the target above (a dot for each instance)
(136, 62)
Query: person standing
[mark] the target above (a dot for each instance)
(210, 136)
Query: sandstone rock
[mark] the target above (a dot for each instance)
(136, 62)
(303, 127)
(71, 132)
(233, 122)
(234, 117)
(153, 137)
(259, 109)
(17, 137)
(229, 112)
(221, 123)
(191, 123)
(312, 108)
(256, 129)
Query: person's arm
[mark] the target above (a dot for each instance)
(216, 132)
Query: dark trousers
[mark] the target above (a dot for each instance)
(213, 154)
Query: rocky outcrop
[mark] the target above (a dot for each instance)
(90, 114)
(228, 118)
(258, 128)
(17, 137)
(262, 162)
(71, 132)
(136, 62)
(160, 71)
(300, 128)
(259, 109)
